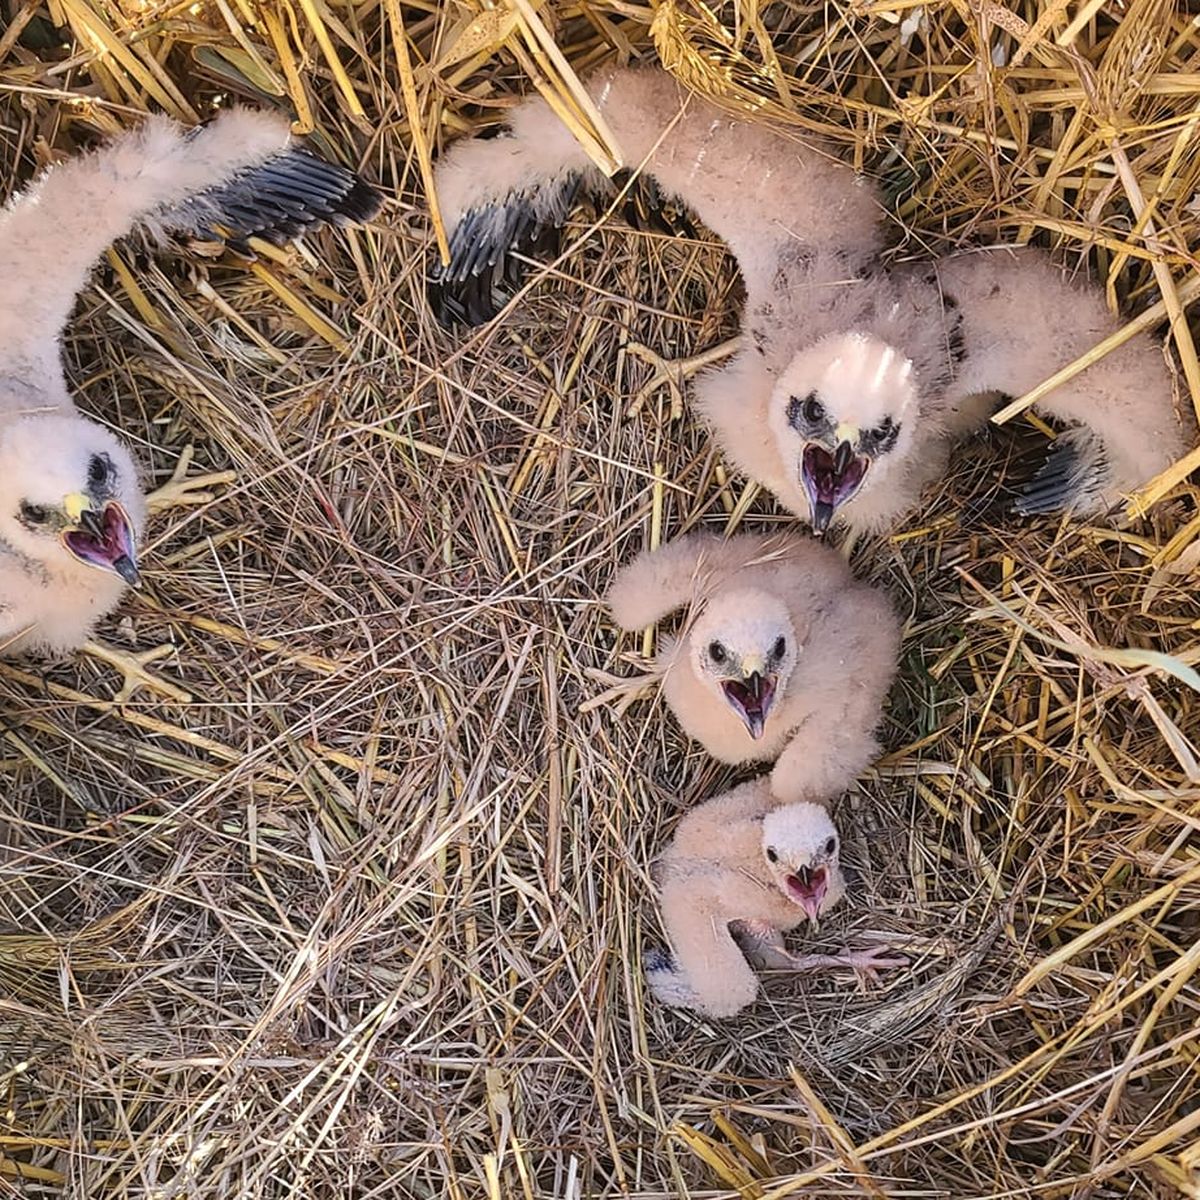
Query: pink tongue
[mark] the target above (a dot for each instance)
(114, 552)
(828, 484)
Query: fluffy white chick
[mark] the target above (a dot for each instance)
(785, 656)
(742, 863)
(854, 378)
(71, 507)
(70, 522)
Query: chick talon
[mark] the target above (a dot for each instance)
(180, 491)
(671, 373)
(132, 665)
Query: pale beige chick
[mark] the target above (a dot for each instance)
(855, 377)
(742, 862)
(783, 656)
(72, 511)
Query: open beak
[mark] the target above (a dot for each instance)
(807, 888)
(103, 538)
(751, 698)
(831, 479)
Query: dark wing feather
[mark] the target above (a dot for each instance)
(277, 201)
(1073, 471)
(491, 246)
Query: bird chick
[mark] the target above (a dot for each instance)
(71, 517)
(785, 656)
(71, 506)
(854, 377)
(741, 863)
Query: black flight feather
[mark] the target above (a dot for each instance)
(277, 201)
(491, 246)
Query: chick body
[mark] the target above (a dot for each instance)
(72, 510)
(714, 874)
(928, 347)
(748, 594)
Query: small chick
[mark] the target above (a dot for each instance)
(71, 505)
(741, 862)
(785, 655)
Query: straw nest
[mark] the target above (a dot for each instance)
(363, 916)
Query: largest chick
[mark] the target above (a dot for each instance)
(784, 656)
(71, 507)
(855, 380)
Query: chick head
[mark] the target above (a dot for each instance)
(69, 494)
(842, 414)
(744, 648)
(800, 848)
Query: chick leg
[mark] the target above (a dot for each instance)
(673, 372)
(179, 490)
(132, 666)
(762, 944)
(833, 746)
(765, 947)
(710, 973)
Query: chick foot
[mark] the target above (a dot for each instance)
(764, 944)
(621, 692)
(179, 491)
(132, 665)
(671, 373)
(866, 964)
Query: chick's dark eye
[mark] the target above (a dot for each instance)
(98, 467)
(34, 514)
(812, 409)
(883, 436)
(831, 846)
(771, 855)
(780, 648)
(716, 652)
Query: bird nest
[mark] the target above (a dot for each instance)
(359, 908)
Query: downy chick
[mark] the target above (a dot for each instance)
(71, 505)
(742, 863)
(854, 379)
(784, 656)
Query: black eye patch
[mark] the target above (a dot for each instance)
(805, 415)
(100, 470)
(33, 515)
(883, 437)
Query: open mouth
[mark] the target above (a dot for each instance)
(105, 540)
(751, 699)
(830, 480)
(807, 888)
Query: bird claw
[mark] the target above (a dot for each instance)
(866, 964)
(671, 373)
(132, 665)
(622, 691)
(180, 491)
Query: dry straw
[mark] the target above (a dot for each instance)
(364, 916)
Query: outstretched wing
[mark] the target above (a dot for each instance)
(494, 244)
(237, 177)
(1021, 322)
(278, 200)
(764, 194)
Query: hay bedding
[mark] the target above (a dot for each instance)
(364, 918)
